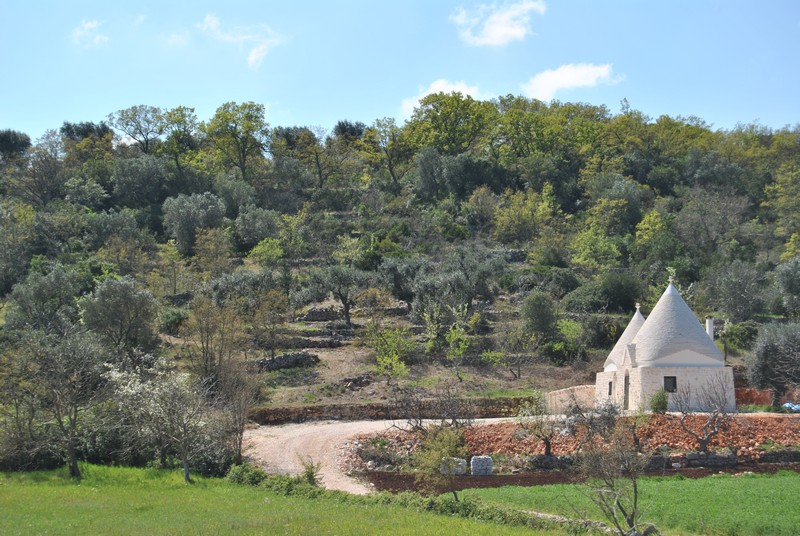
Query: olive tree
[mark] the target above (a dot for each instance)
(185, 214)
(775, 359)
(122, 312)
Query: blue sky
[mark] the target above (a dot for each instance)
(313, 63)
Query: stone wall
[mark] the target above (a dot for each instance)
(559, 401)
(480, 408)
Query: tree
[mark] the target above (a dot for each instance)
(45, 301)
(612, 471)
(238, 393)
(123, 313)
(212, 254)
(182, 135)
(536, 421)
(787, 279)
(540, 315)
(343, 282)
(715, 404)
(13, 145)
(392, 347)
(43, 178)
(775, 359)
(451, 123)
(516, 347)
(168, 408)
(185, 214)
(457, 340)
(143, 124)
(240, 134)
(269, 318)
(437, 460)
(736, 288)
(216, 330)
(139, 182)
(392, 147)
(70, 375)
(17, 221)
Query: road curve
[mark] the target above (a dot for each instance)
(281, 449)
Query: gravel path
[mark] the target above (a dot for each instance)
(279, 449)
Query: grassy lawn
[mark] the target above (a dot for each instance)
(140, 501)
(723, 504)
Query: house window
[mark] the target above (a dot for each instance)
(671, 384)
(610, 385)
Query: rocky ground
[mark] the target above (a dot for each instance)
(337, 446)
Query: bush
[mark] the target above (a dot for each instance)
(171, 319)
(562, 353)
(246, 474)
(741, 336)
(659, 402)
(587, 298)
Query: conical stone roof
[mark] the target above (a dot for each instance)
(615, 358)
(672, 335)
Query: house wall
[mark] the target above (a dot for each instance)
(644, 382)
(699, 379)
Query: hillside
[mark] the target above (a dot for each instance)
(481, 249)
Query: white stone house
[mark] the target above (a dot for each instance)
(669, 350)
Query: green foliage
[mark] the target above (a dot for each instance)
(392, 347)
(741, 336)
(787, 278)
(457, 344)
(119, 500)
(170, 320)
(267, 253)
(540, 315)
(434, 459)
(246, 474)
(775, 359)
(678, 504)
(659, 402)
(185, 214)
(122, 312)
(562, 353)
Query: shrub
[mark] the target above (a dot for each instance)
(171, 319)
(742, 335)
(246, 474)
(659, 402)
(562, 353)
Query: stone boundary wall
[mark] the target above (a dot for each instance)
(481, 408)
(559, 401)
(761, 397)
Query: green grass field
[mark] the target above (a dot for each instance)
(139, 501)
(722, 504)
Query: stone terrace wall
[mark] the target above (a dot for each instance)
(559, 401)
(480, 408)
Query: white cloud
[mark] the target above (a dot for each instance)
(87, 34)
(545, 85)
(177, 39)
(493, 25)
(438, 86)
(258, 41)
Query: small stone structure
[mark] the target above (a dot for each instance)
(669, 350)
(453, 466)
(481, 466)
(559, 401)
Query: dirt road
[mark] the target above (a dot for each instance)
(280, 449)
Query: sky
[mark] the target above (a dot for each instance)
(313, 63)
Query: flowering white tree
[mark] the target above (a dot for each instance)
(167, 408)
